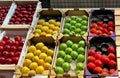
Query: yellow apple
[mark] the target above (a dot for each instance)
(25, 70)
(35, 59)
(27, 62)
(31, 48)
(37, 52)
(48, 59)
(39, 69)
(29, 55)
(42, 55)
(41, 21)
(33, 65)
(39, 45)
(44, 49)
(41, 62)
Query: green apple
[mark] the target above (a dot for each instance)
(73, 17)
(67, 35)
(68, 20)
(68, 50)
(66, 31)
(72, 22)
(74, 55)
(78, 20)
(68, 58)
(84, 22)
(78, 25)
(63, 46)
(81, 58)
(77, 72)
(81, 50)
(77, 35)
(72, 33)
(69, 43)
(74, 47)
(83, 28)
(72, 28)
(79, 66)
(84, 17)
(59, 70)
(82, 32)
(61, 54)
(67, 25)
(59, 61)
(66, 66)
(77, 31)
(82, 43)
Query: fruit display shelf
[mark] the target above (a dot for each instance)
(4, 8)
(101, 58)
(48, 24)
(12, 43)
(75, 23)
(70, 58)
(38, 59)
(23, 13)
(102, 22)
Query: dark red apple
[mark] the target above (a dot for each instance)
(110, 29)
(100, 28)
(93, 25)
(1, 48)
(11, 54)
(99, 23)
(2, 43)
(16, 43)
(18, 38)
(17, 54)
(8, 61)
(111, 56)
(21, 43)
(5, 38)
(13, 48)
(91, 66)
(111, 24)
(112, 71)
(98, 56)
(97, 70)
(105, 30)
(15, 60)
(91, 52)
(91, 59)
(5, 54)
(7, 48)
(98, 63)
(112, 64)
(105, 59)
(93, 30)
(2, 60)
(111, 49)
(0, 54)
(19, 48)
(9, 42)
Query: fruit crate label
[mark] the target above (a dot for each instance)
(117, 20)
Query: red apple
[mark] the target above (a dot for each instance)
(17, 54)
(112, 71)
(111, 24)
(2, 43)
(19, 48)
(91, 59)
(111, 56)
(29, 5)
(24, 19)
(23, 9)
(110, 29)
(7, 48)
(112, 64)
(5, 38)
(16, 43)
(91, 66)
(1, 48)
(97, 70)
(98, 63)
(93, 30)
(18, 38)
(111, 49)
(100, 28)
(99, 23)
(110, 32)
(91, 52)
(105, 30)
(21, 43)
(98, 32)
(0, 54)
(13, 48)
(11, 54)
(9, 42)
(2, 60)
(93, 25)
(26, 16)
(104, 72)
(17, 22)
(15, 60)
(98, 56)
(18, 19)
(105, 59)
(5, 54)
(8, 61)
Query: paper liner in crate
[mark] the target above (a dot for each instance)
(75, 23)
(71, 73)
(12, 33)
(4, 12)
(102, 22)
(23, 3)
(49, 22)
(100, 46)
(50, 44)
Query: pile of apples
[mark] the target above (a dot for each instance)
(10, 50)
(37, 60)
(75, 25)
(101, 27)
(3, 13)
(48, 28)
(23, 14)
(68, 54)
(102, 64)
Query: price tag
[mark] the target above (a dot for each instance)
(40, 77)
